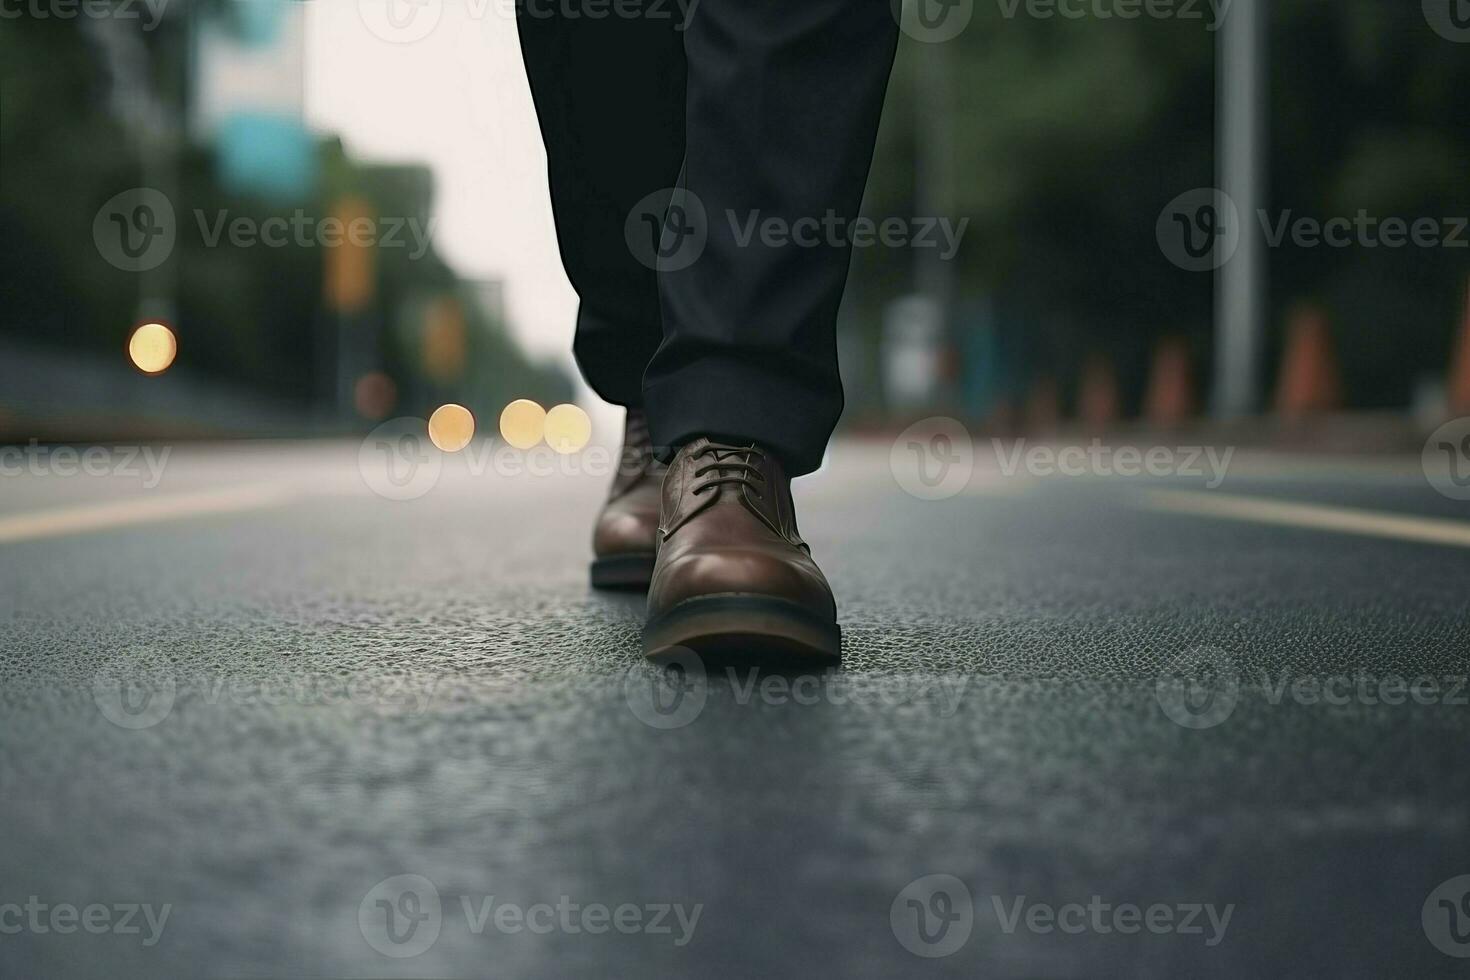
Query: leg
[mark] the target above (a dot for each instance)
(609, 95)
(783, 106)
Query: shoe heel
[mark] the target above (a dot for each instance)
(623, 572)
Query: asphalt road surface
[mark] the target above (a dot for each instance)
(262, 720)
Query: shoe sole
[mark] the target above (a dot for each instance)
(623, 572)
(743, 629)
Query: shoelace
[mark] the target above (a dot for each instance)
(746, 471)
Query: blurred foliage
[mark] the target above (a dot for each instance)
(252, 316)
(1065, 140)
(1069, 137)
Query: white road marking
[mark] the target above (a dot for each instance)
(1432, 530)
(144, 510)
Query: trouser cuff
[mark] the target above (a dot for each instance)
(733, 402)
(612, 354)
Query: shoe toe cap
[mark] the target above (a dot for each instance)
(794, 578)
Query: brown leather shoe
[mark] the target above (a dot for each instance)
(733, 577)
(626, 535)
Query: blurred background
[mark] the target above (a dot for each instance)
(134, 136)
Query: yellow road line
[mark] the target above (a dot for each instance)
(144, 510)
(1347, 520)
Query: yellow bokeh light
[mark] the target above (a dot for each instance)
(523, 423)
(568, 429)
(152, 348)
(451, 427)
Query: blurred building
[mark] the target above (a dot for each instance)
(303, 285)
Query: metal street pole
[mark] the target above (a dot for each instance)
(934, 195)
(1240, 152)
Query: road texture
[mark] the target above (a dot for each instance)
(1086, 726)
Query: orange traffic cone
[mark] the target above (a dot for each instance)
(1001, 419)
(1459, 381)
(1097, 397)
(1043, 406)
(1170, 398)
(1309, 382)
